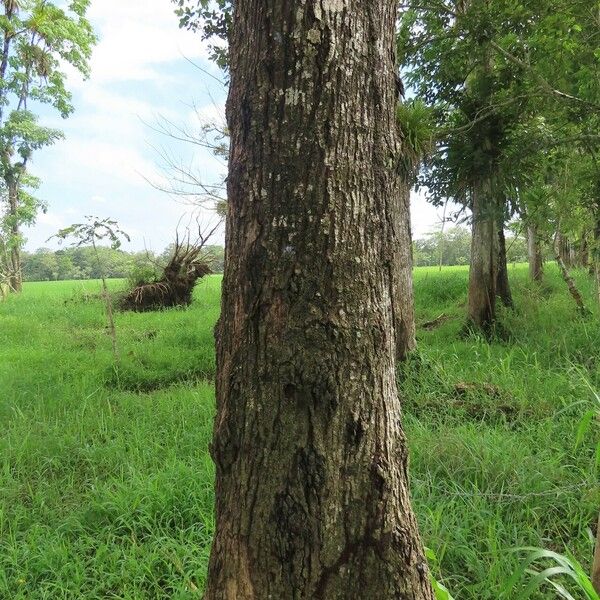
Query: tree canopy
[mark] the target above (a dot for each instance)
(39, 40)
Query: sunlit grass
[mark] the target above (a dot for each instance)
(106, 481)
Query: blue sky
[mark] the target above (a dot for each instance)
(141, 72)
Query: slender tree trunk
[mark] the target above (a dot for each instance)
(568, 279)
(442, 242)
(563, 248)
(404, 304)
(596, 563)
(112, 328)
(15, 280)
(503, 283)
(484, 259)
(13, 259)
(536, 260)
(312, 494)
(583, 259)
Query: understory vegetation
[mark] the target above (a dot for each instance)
(108, 484)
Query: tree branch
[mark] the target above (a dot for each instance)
(541, 80)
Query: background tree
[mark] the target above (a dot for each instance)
(484, 68)
(38, 38)
(312, 490)
(416, 128)
(450, 63)
(93, 232)
(80, 263)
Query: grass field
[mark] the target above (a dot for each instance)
(105, 478)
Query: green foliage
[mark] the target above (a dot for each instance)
(78, 263)
(508, 82)
(110, 490)
(492, 428)
(418, 130)
(143, 271)
(38, 40)
(212, 18)
(440, 590)
(563, 567)
(588, 420)
(94, 231)
(453, 247)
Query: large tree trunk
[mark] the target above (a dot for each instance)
(404, 304)
(15, 279)
(503, 283)
(312, 494)
(484, 259)
(536, 259)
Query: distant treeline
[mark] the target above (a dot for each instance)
(81, 263)
(453, 247)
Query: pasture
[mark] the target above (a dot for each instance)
(106, 480)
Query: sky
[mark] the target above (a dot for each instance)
(143, 69)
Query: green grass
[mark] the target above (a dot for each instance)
(106, 482)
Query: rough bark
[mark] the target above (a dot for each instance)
(312, 494)
(483, 270)
(404, 305)
(536, 259)
(502, 282)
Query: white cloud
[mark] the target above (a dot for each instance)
(427, 218)
(136, 38)
(91, 160)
